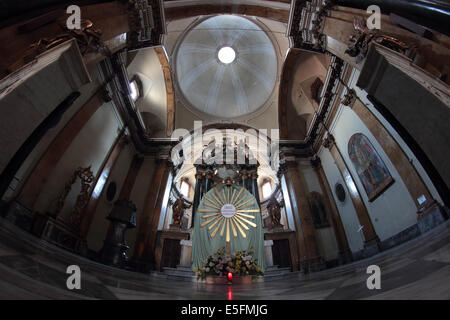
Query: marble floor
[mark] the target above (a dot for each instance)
(31, 268)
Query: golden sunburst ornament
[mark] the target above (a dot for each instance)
(228, 212)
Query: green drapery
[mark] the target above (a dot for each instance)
(204, 245)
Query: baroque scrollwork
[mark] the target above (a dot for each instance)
(146, 23)
(87, 37)
(307, 24)
(86, 177)
(349, 98)
(360, 42)
(329, 141)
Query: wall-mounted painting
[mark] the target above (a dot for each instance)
(372, 171)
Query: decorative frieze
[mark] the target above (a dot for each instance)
(364, 37)
(146, 20)
(329, 141)
(306, 23)
(330, 91)
(349, 98)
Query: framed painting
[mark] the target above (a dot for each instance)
(372, 172)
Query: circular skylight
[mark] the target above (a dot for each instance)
(226, 55)
(226, 67)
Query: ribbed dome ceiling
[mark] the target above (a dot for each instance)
(226, 90)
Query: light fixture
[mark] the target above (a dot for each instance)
(266, 190)
(230, 277)
(184, 189)
(226, 55)
(134, 90)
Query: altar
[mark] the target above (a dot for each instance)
(229, 219)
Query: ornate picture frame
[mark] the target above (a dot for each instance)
(372, 171)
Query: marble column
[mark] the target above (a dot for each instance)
(186, 249)
(208, 180)
(197, 194)
(371, 238)
(255, 190)
(309, 254)
(244, 177)
(408, 173)
(101, 181)
(39, 176)
(345, 253)
(144, 253)
(269, 254)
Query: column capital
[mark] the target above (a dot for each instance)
(316, 162)
(329, 141)
(349, 98)
(199, 175)
(282, 169)
(291, 163)
(209, 174)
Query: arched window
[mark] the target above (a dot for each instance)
(134, 90)
(184, 189)
(372, 171)
(266, 189)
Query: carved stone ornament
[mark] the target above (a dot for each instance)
(349, 98)
(329, 141)
(307, 22)
(274, 209)
(87, 37)
(360, 42)
(146, 23)
(86, 178)
(316, 162)
(178, 212)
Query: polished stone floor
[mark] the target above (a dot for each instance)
(33, 269)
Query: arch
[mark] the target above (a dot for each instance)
(175, 12)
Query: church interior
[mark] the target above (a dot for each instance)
(229, 149)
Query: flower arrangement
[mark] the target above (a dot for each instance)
(219, 263)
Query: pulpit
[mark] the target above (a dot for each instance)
(122, 217)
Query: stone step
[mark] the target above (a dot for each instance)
(279, 276)
(178, 272)
(184, 268)
(277, 271)
(269, 269)
(183, 273)
(182, 278)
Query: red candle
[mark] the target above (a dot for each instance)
(230, 277)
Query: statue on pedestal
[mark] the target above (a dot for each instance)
(178, 212)
(360, 43)
(274, 209)
(122, 217)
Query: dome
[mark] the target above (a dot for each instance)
(226, 67)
